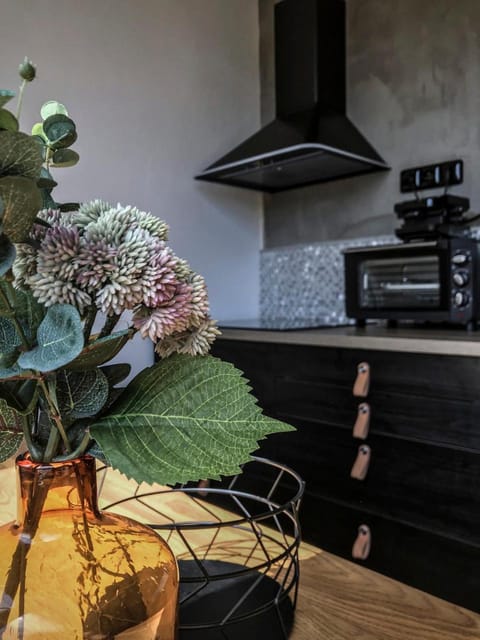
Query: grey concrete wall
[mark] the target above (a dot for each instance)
(414, 92)
(159, 89)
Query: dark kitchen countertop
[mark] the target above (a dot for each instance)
(441, 341)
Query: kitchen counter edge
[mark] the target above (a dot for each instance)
(439, 342)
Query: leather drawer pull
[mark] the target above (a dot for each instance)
(362, 423)
(363, 543)
(360, 466)
(362, 381)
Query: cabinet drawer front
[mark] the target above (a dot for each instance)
(418, 374)
(434, 487)
(428, 561)
(439, 420)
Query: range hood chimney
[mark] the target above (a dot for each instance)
(311, 139)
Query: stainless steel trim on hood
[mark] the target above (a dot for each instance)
(311, 140)
(309, 145)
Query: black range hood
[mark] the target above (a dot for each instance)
(311, 139)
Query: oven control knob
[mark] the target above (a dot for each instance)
(460, 299)
(460, 278)
(460, 258)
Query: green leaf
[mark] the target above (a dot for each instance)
(19, 155)
(46, 181)
(20, 395)
(7, 254)
(5, 96)
(52, 108)
(59, 338)
(65, 158)
(29, 312)
(9, 343)
(116, 372)
(11, 430)
(65, 207)
(60, 131)
(21, 200)
(100, 351)
(37, 130)
(8, 121)
(185, 418)
(6, 300)
(81, 394)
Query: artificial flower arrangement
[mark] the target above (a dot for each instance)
(77, 282)
(64, 266)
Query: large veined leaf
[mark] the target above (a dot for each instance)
(11, 430)
(185, 418)
(21, 202)
(19, 155)
(8, 122)
(81, 394)
(100, 351)
(59, 340)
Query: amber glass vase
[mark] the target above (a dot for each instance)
(70, 572)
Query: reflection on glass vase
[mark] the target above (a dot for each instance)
(70, 572)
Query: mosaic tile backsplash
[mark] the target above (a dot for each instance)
(307, 281)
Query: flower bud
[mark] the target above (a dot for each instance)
(26, 70)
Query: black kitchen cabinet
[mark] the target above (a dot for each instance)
(421, 495)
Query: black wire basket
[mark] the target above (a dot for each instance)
(237, 557)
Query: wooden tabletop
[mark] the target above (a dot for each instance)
(338, 600)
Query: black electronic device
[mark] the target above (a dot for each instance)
(433, 217)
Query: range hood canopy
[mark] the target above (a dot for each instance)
(311, 139)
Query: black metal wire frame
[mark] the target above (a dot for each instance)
(274, 517)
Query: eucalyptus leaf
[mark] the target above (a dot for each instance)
(60, 131)
(46, 181)
(11, 430)
(7, 254)
(47, 201)
(59, 338)
(100, 351)
(19, 155)
(37, 130)
(52, 108)
(81, 394)
(13, 371)
(8, 121)
(5, 96)
(22, 201)
(65, 158)
(185, 418)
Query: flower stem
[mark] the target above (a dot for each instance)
(89, 320)
(20, 98)
(31, 446)
(109, 325)
(59, 431)
(76, 452)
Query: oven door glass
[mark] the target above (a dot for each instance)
(400, 283)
